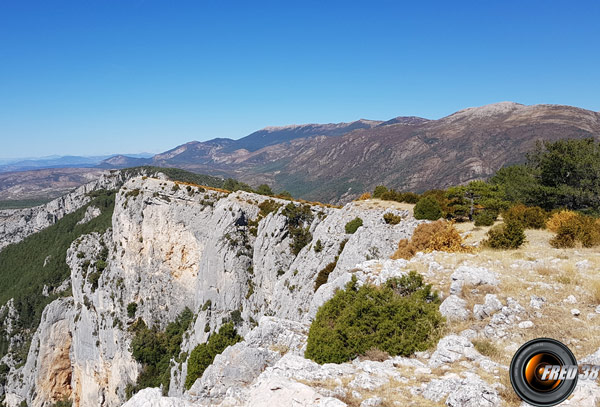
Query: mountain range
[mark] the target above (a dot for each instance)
(337, 162)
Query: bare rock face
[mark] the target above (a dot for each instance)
(172, 247)
(48, 365)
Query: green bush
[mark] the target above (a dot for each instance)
(428, 208)
(392, 219)
(399, 318)
(131, 309)
(298, 216)
(379, 191)
(318, 246)
(323, 275)
(353, 225)
(485, 218)
(509, 235)
(154, 350)
(264, 189)
(203, 355)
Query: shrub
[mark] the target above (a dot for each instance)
(531, 217)
(203, 355)
(427, 208)
(440, 235)
(579, 228)
(323, 275)
(566, 237)
(379, 191)
(353, 225)
(485, 218)
(268, 206)
(131, 309)
(392, 219)
(264, 189)
(357, 320)
(559, 219)
(297, 216)
(318, 246)
(509, 235)
(154, 350)
(364, 197)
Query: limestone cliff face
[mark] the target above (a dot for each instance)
(174, 246)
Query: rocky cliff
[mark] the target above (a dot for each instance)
(173, 246)
(235, 256)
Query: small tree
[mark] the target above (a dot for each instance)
(264, 189)
(509, 235)
(428, 208)
(131, 309)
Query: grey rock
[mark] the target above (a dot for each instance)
(491, 305)
(372, 402)
(473, 276)
(454, 308)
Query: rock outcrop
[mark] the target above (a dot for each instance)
(174, 246)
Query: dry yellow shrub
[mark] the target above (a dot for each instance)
(439, 235)
(560, 219)
(364, 197)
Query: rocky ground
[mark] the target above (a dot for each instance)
(494, 302)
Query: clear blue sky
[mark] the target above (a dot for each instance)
(103, 76)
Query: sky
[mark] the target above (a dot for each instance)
(116, 76)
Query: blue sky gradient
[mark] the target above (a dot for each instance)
(98, 77)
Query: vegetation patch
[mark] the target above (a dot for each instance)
(399, 318)
(440, 235)
(204, 354)
(323, 275)
(531, 217)
(509, 235)
(392, 219)
(353, 225)
(154, 349)
(427, 208)
(579, 229)
(485, 218)
(385, 194)
(297, 217)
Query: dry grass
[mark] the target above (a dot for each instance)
(546, 271)
(594, 287)
(488, 348)
(506, 392)
(375, 355)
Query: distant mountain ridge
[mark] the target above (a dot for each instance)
(336, 162)
(67, 161)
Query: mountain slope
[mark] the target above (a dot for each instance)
(337, 162)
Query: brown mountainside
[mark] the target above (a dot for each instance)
(405, 153)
